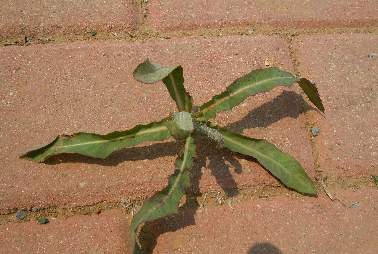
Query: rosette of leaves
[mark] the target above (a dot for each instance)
(182, 126)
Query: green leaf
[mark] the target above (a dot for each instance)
(189, 102)
(312, 93)
(99, 146)
(376, 179)
(282, 165)
(181, 126)
(257, 81)
(149, 73)
(175, 85)
(173, 78)
(176, 131)
(166, 201)
(184, 120)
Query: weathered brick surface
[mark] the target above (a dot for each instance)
(188, 15)
(103, 233)
(345, 70)
(65, 17)
(276, 225)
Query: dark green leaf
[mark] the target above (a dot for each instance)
(176, 131)
(175, 85)
(166, 201)
(258, 81)
(99, 146)
(312, 93)
(189, 102)
(282, 165)
(173, 78)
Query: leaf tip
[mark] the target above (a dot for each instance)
(312, 93)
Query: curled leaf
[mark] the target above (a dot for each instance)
(99, 146)
(172, 77)
(149, 73)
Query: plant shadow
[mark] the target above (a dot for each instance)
(151, 230)
(149, 152)
(209, 156)
(206, 150)
(288, 104)
(264, 248)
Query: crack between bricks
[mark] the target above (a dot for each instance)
(143, 32)
(214, 198)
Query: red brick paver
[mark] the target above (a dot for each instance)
(103, 233)
(188, 15)
(346, 70)
(66, 17)
(278, 225)
(51, 89)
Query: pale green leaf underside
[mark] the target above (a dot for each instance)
(166, 201)
(281, 165)
(257, 81)
(176, 131)
(184, 120)
(149, 73)
(99, 146)
(181, 126)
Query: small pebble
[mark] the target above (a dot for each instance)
(167, 37)
(251, 31)
(357, 204)
(43, 220)
(20, 215)
(93, 33)
(315, 131)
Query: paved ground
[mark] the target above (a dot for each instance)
(62, 79)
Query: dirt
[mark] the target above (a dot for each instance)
(195, 201)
